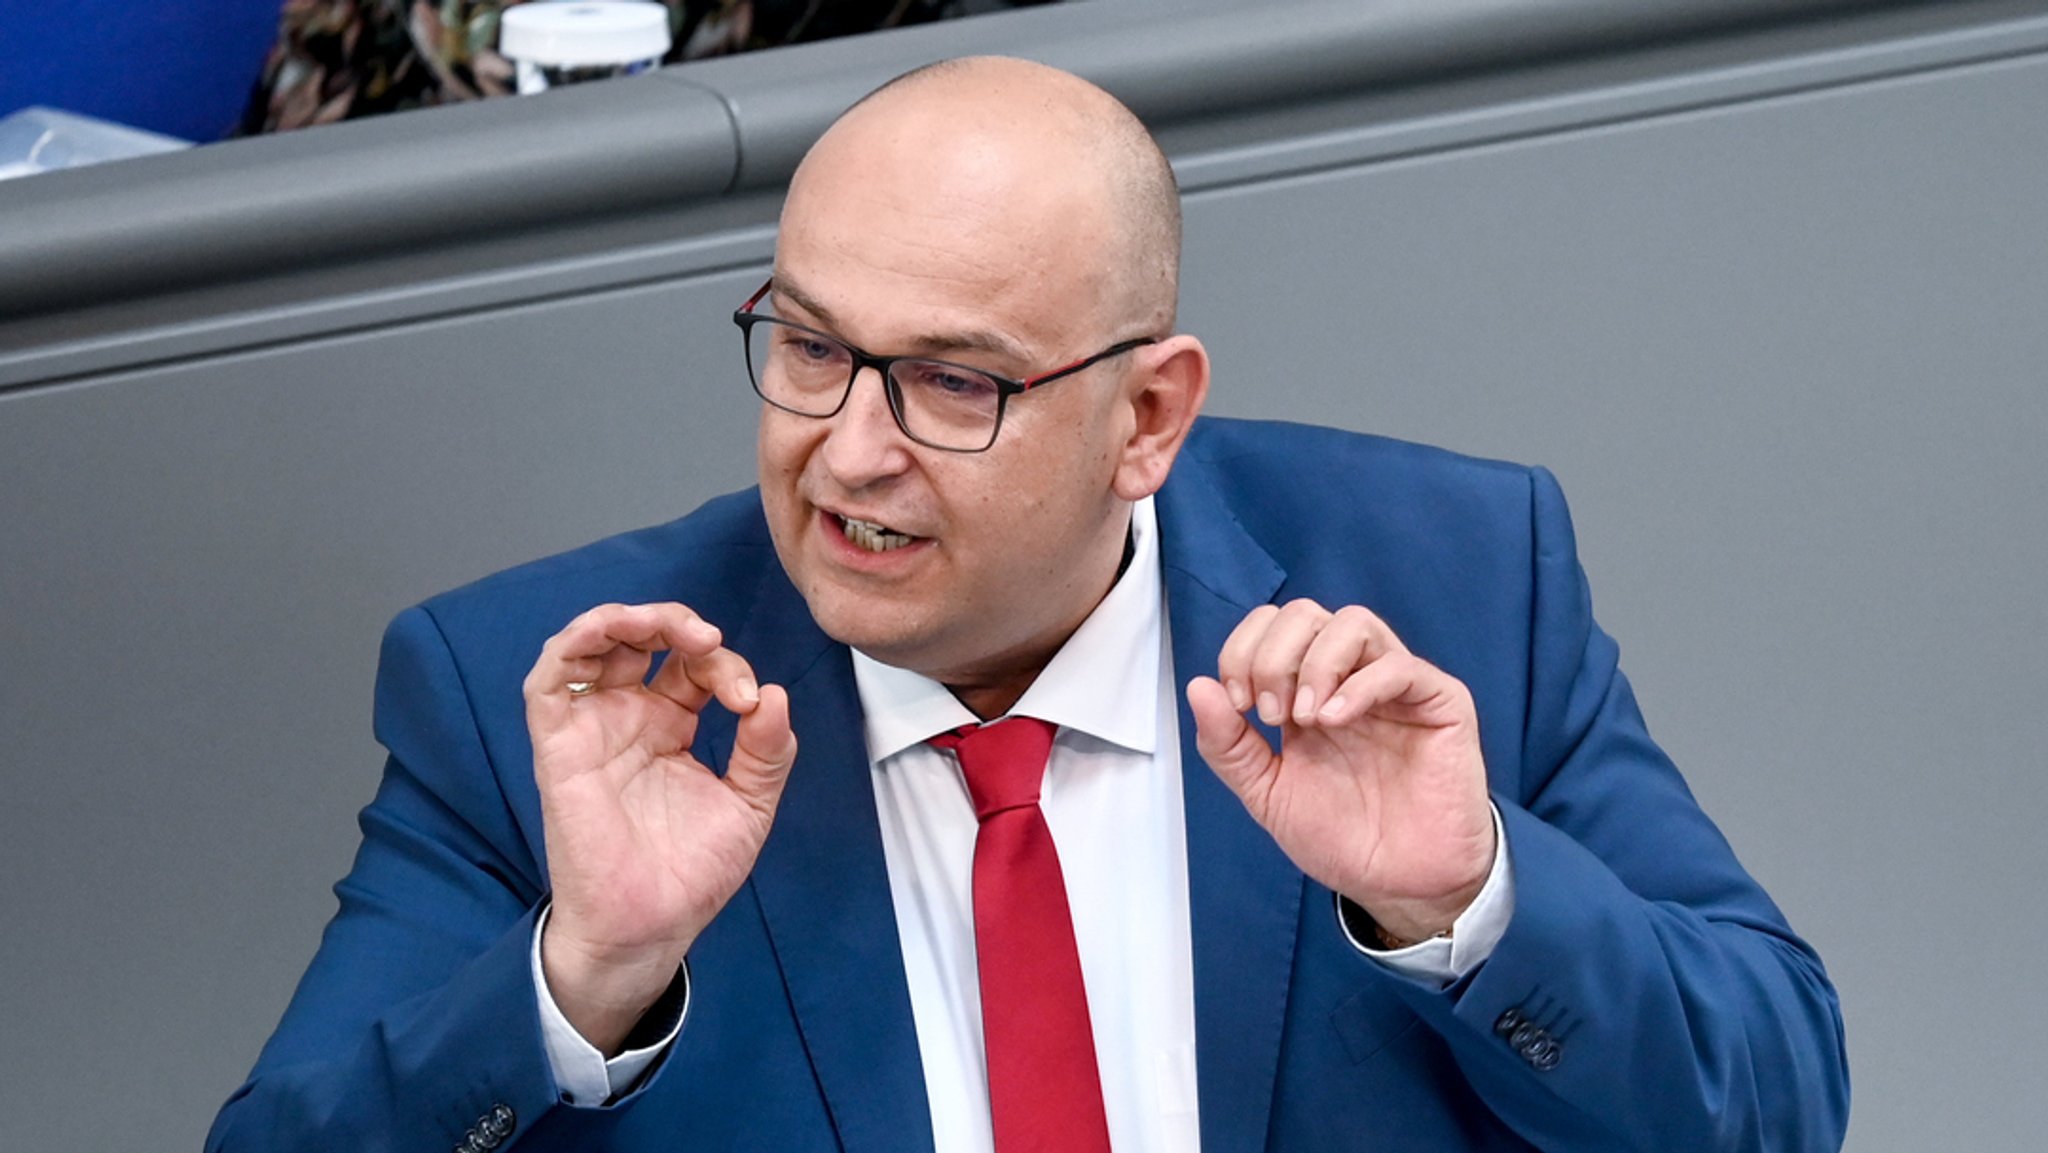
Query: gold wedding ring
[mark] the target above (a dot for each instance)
(581, 688)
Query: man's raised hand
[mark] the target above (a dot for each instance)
(645, 844)
(1378, 790)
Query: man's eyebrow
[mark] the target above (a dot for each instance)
(782, 289)
(995, 344)
(925, 344)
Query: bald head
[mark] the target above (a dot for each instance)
(1021, 136)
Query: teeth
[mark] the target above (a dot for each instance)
(872, 537)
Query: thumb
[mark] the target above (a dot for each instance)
(764, 747)
(1233, 748)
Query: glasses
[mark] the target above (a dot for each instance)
(936, 403)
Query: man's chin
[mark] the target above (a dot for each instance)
(868, 623)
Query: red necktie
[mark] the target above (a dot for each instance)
(1045, 1095)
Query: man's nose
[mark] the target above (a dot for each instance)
(864, 443)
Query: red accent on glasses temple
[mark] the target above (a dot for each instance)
(1062, 369)
(1076, 365)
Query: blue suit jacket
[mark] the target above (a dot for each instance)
(1659, 1000)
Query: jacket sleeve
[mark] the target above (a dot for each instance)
(416, 1027)
(1647, 994)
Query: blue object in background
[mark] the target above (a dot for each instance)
(180, 67)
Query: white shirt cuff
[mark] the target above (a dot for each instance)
(581, 1072)
(1473, 935)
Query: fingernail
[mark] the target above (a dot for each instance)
(1240, 697)
(1269, 708)
(1333, 708)
(748, 690)
(1304, 703)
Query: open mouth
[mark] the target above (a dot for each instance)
(871, 536)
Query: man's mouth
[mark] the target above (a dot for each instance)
(871, 536)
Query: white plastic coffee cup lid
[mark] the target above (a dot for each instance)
(584, 33)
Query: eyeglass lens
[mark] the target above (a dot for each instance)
(944, 405)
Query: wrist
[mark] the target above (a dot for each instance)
(604, 993)
(1399, 922)
(1397, 925)
(1394, 942)
(1368, 931)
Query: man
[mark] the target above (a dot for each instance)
(1435, 889)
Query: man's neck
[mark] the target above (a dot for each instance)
(997, 697)
(993, 700)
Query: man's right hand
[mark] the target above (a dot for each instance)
(645, 845)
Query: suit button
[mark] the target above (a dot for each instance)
(500, 1122)
(1508, 1022)
(1525, 1034)
(1545, 1054)
(1536, 1046)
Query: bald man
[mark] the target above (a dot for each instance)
(1335, 826)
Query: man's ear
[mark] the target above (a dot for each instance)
(1168, 385)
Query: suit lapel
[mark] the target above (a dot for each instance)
(1244, 895)
(823, 885)
(823, 889)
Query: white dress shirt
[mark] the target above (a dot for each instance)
(1112, 798)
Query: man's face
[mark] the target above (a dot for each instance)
(986, 561)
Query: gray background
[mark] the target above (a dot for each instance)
(1766, 297)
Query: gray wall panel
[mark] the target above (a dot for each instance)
(264, 205)
(1778, 337)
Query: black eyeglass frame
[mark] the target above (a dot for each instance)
(747, 319)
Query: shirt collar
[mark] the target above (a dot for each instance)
(1104, 681)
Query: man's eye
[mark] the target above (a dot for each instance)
(954, 382)
(804, 346)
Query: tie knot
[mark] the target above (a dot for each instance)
(1004, 761)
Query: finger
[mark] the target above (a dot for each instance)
(1276, 663)
(692, 679)
(1234, 662)
(1406, 689)
(551, 676)
(1353, 638)
(609, 646)
(764, 748)
(652, 628)
(548, 696)
(646, 627)
(1236, 751)
(622, 667)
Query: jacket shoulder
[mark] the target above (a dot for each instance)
(710, 560)
(1303, 489)
(1307, 449)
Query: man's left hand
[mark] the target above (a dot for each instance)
(1378, 790)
